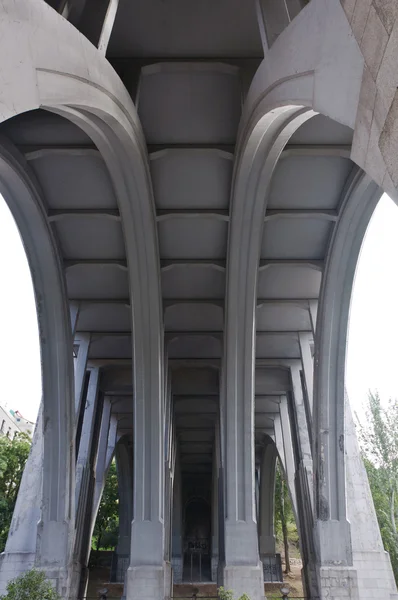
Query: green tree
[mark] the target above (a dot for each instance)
(107, 522)
(32, 585)
(379, 444)
(13, 456)
(285, 524)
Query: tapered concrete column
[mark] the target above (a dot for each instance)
(304, 484)
(74, 309)
(124, 466)
(284, 446)
(215, 505)
(266, 505)
(302, 431)
(20, 551)
(254, 167)
(168, 499)
(332, 525)
(176, 543)
(169, 467)
(87, 436)
(308, 372)
(83, 340)
(149, 575)
(100, 460)
(242, 571)
(374, 573)
(106, 449)
(55, 531)
(313, 312)
(85, 477)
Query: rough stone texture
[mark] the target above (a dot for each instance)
(339, 583)
(359, 18)
(375, 27)
(374, 42)
(349, 6)
(389, 141)
(363, 123)
(371, 576)
(387, 11)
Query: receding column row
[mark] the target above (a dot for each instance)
(99, 440)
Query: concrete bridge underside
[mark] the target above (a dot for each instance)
(192, 182)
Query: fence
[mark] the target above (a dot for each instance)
(119, 566)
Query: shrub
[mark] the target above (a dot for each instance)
(32, 585)
(224, 594)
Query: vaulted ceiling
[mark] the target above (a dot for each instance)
(188, 66)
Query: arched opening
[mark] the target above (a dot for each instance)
(19, 326)
(58, 188)
(373, 324)
(197, 540)
(20, 360)
(287, 535)
(104, 566)
(370, 371)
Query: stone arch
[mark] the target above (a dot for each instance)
(266, 531)
(20, 190)
(109, 118)
(330, 350)
(262, 138)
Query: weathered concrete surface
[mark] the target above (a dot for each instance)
(339, 63)
(375, 578)
(20, 551)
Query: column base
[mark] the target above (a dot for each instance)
(148, 582)
(339, 583)
(244, 579)
(214, 568)
(375, 576)
(61, 580)
(177, 566)
(334, 538)
(310, 581)
(12, 564)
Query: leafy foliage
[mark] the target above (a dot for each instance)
(32, 585)
(285, 524)
(244, 597)
(224, 594)
(107, 523)
(13, 456)
(379, 444)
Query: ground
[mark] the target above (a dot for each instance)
(99, 578)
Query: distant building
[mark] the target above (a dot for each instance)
(12, 422)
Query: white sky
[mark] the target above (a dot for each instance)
(372, 354)
(373, 334)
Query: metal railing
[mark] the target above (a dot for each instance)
(272, 568)
(119, 566)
